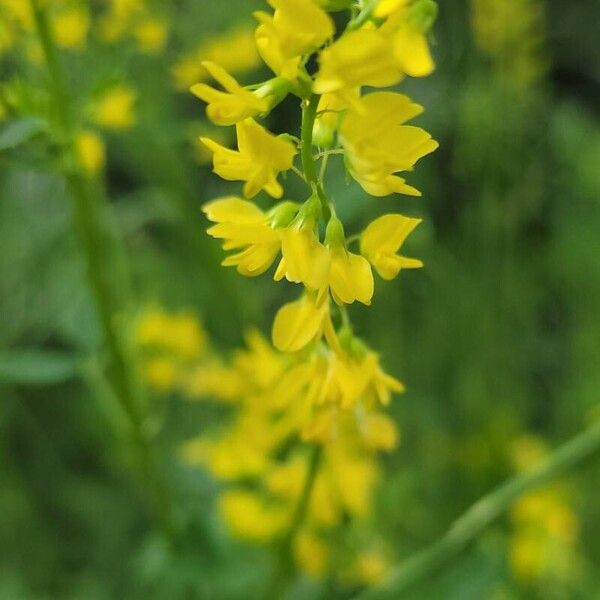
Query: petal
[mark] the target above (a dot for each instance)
(362, 277)
(387, 233)
(233, 209)
(298, 323)
(412, 52)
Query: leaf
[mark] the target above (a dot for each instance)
(37, 367)
(17, 132)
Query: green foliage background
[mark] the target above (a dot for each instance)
(497, 337)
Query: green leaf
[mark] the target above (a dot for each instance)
(17, 132)
(37, 367)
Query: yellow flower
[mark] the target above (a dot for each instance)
(370, 567)
(297, 27)
(250, 517)
(382, 385)
(350, 277)
(353, 476)
(304, 259)
(379, 432)
(19, 11)
(298, 323)
(116, 108)
(91, 152)
(381, 240)
(337, 379)
(7, 37)
(526, 555)
(378, 145)
(180, 334)
(311, 553)
(70, 28)
(243, 227)
(235, 51)
(151, 35)
(358, 58)
(229, 458)
(161, 373)
(235, 103)
(260, 158)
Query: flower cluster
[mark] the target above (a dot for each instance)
(368, 129)
(544, 545)
(273, 397)
(112, 104)
(277, 397)
(516, 48)
(324, 387)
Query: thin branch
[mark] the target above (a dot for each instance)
(285, 561)
(97, 241)
(465, 529)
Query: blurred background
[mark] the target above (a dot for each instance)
(497, 339)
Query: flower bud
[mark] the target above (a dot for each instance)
(282, 214)
(334, 234)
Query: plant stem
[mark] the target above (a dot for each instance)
(88, 213)
(363, 16)
(481, 514)
(285, 560)
(309, 114)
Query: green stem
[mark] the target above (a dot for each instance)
(363, 16)
(309, 166)
(285, 560)
(88, 221)
(481, 514)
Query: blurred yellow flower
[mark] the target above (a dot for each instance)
(250, 517)
(260, 157)
(151, 35)
(234, 51)
(517, 46)
(19, 11)
(311, 553)
(379, 432)
(70, 28)
(381, 240)
(296, 28)
(116, 108)
(544, 543)
(91, 151)
(370, 567)
(180, 333)
(161, 373)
